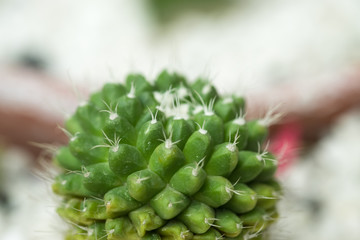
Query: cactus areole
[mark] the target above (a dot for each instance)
(168, 160)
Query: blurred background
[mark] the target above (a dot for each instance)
(304, 55)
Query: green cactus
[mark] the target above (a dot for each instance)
(173, 160)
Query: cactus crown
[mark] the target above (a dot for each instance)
(172, 160)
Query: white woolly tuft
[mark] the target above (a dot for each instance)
(199, 166)
(112, 112)
(209, 108)
(112, 144)
(240, 118)
(202, 130)
(271, 116)
(131, 93)
(168, 140)
(232, 146)
(153, 116)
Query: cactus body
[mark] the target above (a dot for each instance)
(172, 160)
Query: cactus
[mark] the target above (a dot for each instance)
(169, 160)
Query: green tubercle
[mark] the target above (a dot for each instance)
(169, 203)
(144, 184)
